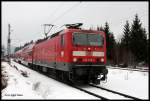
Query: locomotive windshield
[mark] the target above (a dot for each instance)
(87, 39)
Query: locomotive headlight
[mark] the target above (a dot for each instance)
(89, 48)
(102, 59)
(74, 59)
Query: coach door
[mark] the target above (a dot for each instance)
(62, 46)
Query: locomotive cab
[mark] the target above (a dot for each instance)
(87, 56)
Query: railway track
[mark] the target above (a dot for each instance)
(113, 95)
(91, 93)
(140, 70)
(87, 89)
(115, 92)
(104, 94)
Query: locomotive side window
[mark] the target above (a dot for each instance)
(62, 40)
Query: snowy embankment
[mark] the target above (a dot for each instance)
(17, 87)
(134, 83)
(37, 86)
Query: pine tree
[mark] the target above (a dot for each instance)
(147, 52)
(126, 36)
(110, 42)
(100, 28)
(17, 48)
(127, 56)
(138, 40)
(106, 30)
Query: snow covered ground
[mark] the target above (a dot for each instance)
(133, 83)
(38, 86)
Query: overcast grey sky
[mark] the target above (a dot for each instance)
(26, 18)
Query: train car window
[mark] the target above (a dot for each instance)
(30, 53)
(62, 40)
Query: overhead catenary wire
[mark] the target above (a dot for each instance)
(52, 14)
(60, 5)
(56, 10)
(61, 15)
(68, 10)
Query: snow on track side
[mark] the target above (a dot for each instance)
(18, 87)
(49, 88)
(132, 83)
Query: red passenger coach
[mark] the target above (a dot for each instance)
(72, 54)
(25, 54)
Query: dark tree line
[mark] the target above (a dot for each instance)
(133, 47)
(135, 42)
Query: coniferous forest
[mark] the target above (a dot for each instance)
(133, 47)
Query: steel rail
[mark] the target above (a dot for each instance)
(115, 92)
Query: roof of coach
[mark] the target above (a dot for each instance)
(26, 48)
(29, 47)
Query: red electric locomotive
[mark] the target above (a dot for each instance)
(73, 54)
